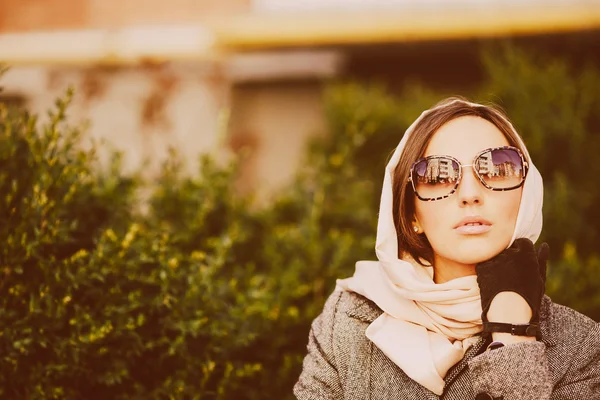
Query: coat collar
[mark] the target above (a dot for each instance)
(547, 322)
(364, 310)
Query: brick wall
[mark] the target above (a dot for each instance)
(32, 15)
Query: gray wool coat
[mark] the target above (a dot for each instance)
(342, 363)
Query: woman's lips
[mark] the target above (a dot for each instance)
(474, 229)
(473, 225)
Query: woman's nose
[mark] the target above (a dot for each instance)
(469, 189)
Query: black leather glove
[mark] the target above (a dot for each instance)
(517, 269)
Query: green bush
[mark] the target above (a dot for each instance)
(101, 302)
(203, 295)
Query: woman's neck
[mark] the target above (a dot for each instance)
(446, 270)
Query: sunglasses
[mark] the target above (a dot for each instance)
(499, 168)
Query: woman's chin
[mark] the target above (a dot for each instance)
(476, 254)
(471, 250)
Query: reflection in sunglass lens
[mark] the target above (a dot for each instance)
(500, 168)
(435, 177)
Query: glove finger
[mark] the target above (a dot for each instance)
(542, 255)
(523, 244)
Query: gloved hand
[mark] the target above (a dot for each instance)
(517, 269)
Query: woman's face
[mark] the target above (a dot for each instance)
(439, 220)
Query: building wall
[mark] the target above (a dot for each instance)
(192, 108)
(143, 111)
(203, 105)
(273, 123)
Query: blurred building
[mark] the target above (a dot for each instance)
(200, 75)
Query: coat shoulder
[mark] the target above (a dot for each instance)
(572, 340)
(568, 326)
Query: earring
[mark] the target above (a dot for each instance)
(416, 229)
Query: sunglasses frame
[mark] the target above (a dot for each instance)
(460, 168)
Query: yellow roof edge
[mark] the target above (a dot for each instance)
(409, 24)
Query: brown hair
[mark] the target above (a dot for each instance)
(409, 242)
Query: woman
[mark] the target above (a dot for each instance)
(454, 308)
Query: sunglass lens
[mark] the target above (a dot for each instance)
(435, 177)
(500, 168)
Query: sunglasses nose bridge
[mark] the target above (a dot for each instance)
(472, 166)
(462, 176)
(467, 165)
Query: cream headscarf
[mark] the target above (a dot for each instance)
(426, 327)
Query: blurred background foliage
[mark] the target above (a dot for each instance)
(199, 294)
